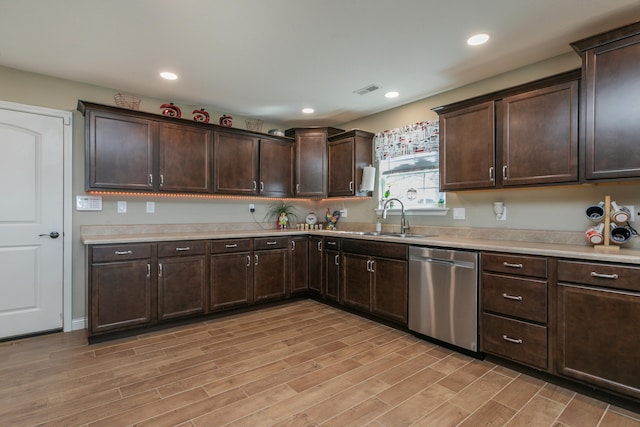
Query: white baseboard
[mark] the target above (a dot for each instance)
(80, 323)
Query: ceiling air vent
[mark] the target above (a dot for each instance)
(367, 89)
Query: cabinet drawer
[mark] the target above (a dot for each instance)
(515, 264)
(597, 274)
(192, 247)
(377, 249)
(515, 296)
(516, 340)
(332, 243)
(266, 243)
(120, 252)
(230, 245)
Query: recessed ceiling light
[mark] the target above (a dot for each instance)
(392, 94)
(478, 39)
(308, 110)
(168, 75)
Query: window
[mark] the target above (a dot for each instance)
(414, 179)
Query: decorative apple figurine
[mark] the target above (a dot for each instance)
(171, 110)
(226, 121)
(201, 116)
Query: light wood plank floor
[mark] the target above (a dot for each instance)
(299, 364)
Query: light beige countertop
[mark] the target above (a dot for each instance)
(548, 243)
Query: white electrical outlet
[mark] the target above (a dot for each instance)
(151, 207)
(122, 207)
(502, 217)
(459, 213)
(343, 213)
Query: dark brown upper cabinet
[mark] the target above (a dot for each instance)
(276, 168)
(610, 126)
(348, 154)
(235, 163)
(184, 158)
(522, 136)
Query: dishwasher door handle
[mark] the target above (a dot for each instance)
(447, 262)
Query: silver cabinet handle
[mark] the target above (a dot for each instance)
(373, 265)
(248, 260)
(508, 264)
(512, 297)
(150, 180)
(604, 276)
(148, 270)
(231, 246)
(320, 246)
(254, 186)
(293, 245)
(504, 172)
(161, 180)
(350, 185)
(159, 270)
(186, 248)
(297, 188)
(336, 260)
(261, 186)
(124, 252)
(491, 174)
(369, 265)
(271, 243)
(255, 259)
(513, 340)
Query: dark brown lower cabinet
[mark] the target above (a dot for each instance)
(376, 284)
(231, 277)
(315, 265)
(121, 287)
(182, 279)
(598, 318)
(271, 268)
(299, 261)
(331, 273)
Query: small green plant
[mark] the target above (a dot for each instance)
(278, 209)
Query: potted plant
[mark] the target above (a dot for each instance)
(281, 213)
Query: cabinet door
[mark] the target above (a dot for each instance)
(184, 158)
(235, 163)
(276, 168)
(181, 286)
(271, 274)
(315, 264)
(231, 281)
(341, 167)
(356, 287)
(611, 90)
(467, 148)
(598, 337)
(299, 247)
(120, 295)
(119, 152)
(331, 273)
(311, 163)
(390, 282)
(540, 136)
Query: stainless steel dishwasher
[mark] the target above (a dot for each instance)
(443, 295)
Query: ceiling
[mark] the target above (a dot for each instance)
(268, 59)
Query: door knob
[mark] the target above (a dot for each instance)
(53, 235)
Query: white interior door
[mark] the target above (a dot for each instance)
(31, 222)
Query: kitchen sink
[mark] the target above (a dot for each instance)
(375, 233)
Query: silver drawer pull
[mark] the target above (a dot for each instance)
(508, 264)
(613, 276)
(124, 252)
(272, 243)
(231, 246)
(513, 340)
(186, 248)
(513, 297)
(332, 243)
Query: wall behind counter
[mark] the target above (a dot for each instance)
(542, 208)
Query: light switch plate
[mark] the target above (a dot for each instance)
(459, 213)
(122, 207)
(88, 203)
(151, 207)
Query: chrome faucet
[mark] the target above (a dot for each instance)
(404, 227)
